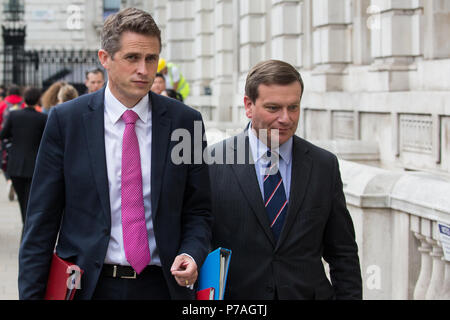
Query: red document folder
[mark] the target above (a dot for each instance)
(205, 294)
(63, 279)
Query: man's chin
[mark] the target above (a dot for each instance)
(141, 92)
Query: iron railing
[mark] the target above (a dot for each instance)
(40, 68)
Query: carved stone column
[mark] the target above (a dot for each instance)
(286, 31)
(437, 272)
(437, 24)
(253, 40)
(222, 85)
(159, 14)
(395, 42)
(423, 281)
(203, 73)
(180, 36)
(361, 33)
(204, 47)
(445, 293)
(332, 43)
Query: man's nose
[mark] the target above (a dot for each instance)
(283, 115)
(142, 67)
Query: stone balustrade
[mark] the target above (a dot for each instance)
(396, 216)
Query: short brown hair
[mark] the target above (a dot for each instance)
(270, 72)
(129, 19)
(94, 71)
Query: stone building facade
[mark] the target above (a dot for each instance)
(62, 39)
(374, 70)
(61, 24)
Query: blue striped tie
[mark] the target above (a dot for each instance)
(275, 197)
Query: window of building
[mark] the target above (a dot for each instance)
(110, 7)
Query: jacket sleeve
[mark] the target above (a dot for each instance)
(197, 218)
(340, 248)
(44, 213)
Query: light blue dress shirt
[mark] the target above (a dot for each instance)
(259, 149)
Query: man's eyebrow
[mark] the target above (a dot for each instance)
(297, 103)
(271, 104)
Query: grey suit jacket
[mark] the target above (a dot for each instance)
(318, 225)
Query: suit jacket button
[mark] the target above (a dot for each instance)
(269, 289)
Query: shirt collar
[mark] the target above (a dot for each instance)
(259, 149)
(115, 109)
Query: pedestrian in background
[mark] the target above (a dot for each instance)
(159, 85)
(50, 97)
(12, 101)
(95, 80)
(24, 129)
(174, 78)
(66, 93)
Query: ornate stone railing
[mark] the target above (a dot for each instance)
(396, 216)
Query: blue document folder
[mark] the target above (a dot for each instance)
(214, 272)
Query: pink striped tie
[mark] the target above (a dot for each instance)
(135, 237)
(275, 199)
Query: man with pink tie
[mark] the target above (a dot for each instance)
(105, 189)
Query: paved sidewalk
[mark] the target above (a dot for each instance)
(10, 229)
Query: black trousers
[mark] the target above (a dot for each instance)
(22, 187)
(149, 285)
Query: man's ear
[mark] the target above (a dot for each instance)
(248, 103)
(103, 56)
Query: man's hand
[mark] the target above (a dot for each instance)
(184, 269)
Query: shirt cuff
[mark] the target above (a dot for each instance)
(185, 254)
(191, 286)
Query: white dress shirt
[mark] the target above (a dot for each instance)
(285, 165)
(114, 128)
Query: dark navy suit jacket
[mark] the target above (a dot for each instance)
(318, 225)
(69, 200)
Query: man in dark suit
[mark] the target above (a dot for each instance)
(278, 202)
(105, 186)
(24, 128)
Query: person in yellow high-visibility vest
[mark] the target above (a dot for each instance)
(174, 78)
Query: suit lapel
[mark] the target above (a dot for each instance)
(95, 136)
(160, 141)
(246, 177)
(301, 169)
